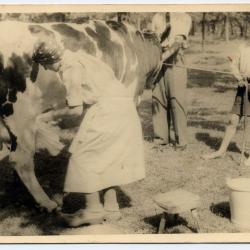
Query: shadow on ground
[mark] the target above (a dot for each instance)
(200, 78)
(198, 111)
(204, 124)
(51, 170)
(174, 224)
(221, 209)
(123, 199)
(215, 142)
(223, 88)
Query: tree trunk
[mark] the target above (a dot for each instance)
(213, 27)
(138, 22)
(232, 28)
(208, 28)
(119, 17)
(203, 30)
(193, 28)
(227, 27)
(246, 28)
(240, 27)
(241, 31)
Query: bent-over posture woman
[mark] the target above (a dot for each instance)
(107, 150)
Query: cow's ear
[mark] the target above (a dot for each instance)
(34, 71)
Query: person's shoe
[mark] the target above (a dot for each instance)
(112, 216)
(159, 141)
(83, 217)
(215, 155)
(180, 147)
(112, 213)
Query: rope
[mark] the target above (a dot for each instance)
(200, 68)
(245, 108)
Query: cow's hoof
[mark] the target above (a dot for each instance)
(52, 207)
(48, 207)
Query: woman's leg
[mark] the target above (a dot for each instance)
(229, 134)
(111, 205)
(110, 199)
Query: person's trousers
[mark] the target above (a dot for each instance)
(169, 105)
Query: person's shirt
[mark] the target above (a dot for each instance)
(241, 63)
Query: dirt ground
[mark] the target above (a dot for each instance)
(210, 97)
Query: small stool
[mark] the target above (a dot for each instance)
(176, 202)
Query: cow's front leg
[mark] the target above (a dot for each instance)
(27, 174)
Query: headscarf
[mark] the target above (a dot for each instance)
(46, 53)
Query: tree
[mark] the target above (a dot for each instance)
(203, 30)
(123, 17)
(227, 27)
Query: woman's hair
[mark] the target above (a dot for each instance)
(46, 53)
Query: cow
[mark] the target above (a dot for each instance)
(26, 91)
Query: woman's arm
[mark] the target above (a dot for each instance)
(75, 110)
(56, 115)
(235, 67)
(168, 51)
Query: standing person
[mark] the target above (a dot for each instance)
(169, 94)
(241, 70)
(107, 150)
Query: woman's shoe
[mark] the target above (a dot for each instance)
(160, 142)
(82, 217)
(180, 147)
(112, 216)
(112, 213)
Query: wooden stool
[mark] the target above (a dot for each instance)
(176, 202)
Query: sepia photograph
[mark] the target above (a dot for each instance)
(124, 122)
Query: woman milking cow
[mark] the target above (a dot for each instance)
(107, 150)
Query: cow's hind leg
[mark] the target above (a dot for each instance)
(27, 174)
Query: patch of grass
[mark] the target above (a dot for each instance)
(209, 104)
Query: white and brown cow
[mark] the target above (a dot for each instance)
(24, 94)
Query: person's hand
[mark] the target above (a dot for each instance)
(164, 48)
(77, 110)
(181, 41)
(242, 83)
(55, 123)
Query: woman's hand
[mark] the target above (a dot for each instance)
(76, 110)
(54, 117)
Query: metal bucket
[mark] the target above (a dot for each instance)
(240, 202)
